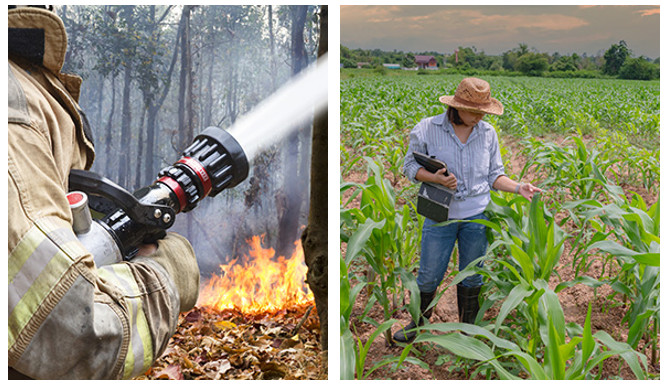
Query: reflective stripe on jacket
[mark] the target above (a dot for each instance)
(68, 319)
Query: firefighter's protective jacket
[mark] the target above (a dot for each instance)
(67, 317)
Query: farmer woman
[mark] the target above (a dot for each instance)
(470, 149)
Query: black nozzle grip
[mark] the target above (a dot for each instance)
(116, 197)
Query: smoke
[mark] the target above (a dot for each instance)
(221, 227)
(281, 113)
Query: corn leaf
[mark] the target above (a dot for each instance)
(515, 297)
(346, 356)
(467, 347)
(358, 240)
(554, 359)
(628, 354)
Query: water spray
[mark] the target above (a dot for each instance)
(215, 161)
(274, 118)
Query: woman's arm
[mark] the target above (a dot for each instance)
(438, 177)
(504, 183)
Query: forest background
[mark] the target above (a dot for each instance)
(155, 76)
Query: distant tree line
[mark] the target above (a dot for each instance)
(617, 61)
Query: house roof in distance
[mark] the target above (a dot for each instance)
(423, 58)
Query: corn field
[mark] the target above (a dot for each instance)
(588, 248)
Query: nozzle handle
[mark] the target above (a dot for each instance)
(115, 197)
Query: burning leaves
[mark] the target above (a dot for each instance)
(254, 321)
(259, 282)
(211, 344)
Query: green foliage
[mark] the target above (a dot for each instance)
(612, 140)
(628, 236)
(532, 64)
(575, 171)
(348, 63)
(536, 340)
(380, 70)
(639, 69)
(566, 63)
(377, 110)
(571, 74)
(386, 236)
(615, 57)
(472, 62)
(409, 61)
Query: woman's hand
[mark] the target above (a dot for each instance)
(448, 181)
(527, 190)
(438, 177)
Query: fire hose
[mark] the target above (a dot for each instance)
(212, 163)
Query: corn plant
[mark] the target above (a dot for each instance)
(534, 247)
(347, 296)
(386, 236)
(637, 253)
(538, 328)
(347, 160)
(582, 180)
(352, 352)
(394, 151)
(626, 233)
(575, 358)
(577, 170)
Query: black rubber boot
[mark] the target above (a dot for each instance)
(468, 303)
(406, 334)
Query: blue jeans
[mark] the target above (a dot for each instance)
(437, 245)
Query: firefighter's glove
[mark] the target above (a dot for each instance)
(176, 255)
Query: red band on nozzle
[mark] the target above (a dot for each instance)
(200, 171)
(176, 188)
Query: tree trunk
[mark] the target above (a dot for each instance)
(124, 155)
(315, 236)
(209, 102)
(186, 114)
(289, 214)
(140, 150)
(153, 108)
(98, 112)
(232, 93)
(299, 52)
(109, 130)
(126, 118)
(185, 87)
(272, 55)
(149, 170)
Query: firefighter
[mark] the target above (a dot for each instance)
(68, 318)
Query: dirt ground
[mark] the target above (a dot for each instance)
(442, 365)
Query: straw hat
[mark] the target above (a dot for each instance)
(473, 94)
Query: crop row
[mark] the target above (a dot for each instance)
(612, 131)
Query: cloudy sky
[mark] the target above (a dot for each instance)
(495, 29)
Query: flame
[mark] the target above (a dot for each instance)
(259, 283)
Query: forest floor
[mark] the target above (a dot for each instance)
(228, 345)
(607, 313)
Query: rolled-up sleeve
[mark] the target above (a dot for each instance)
(416, 143)
(496, 165)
